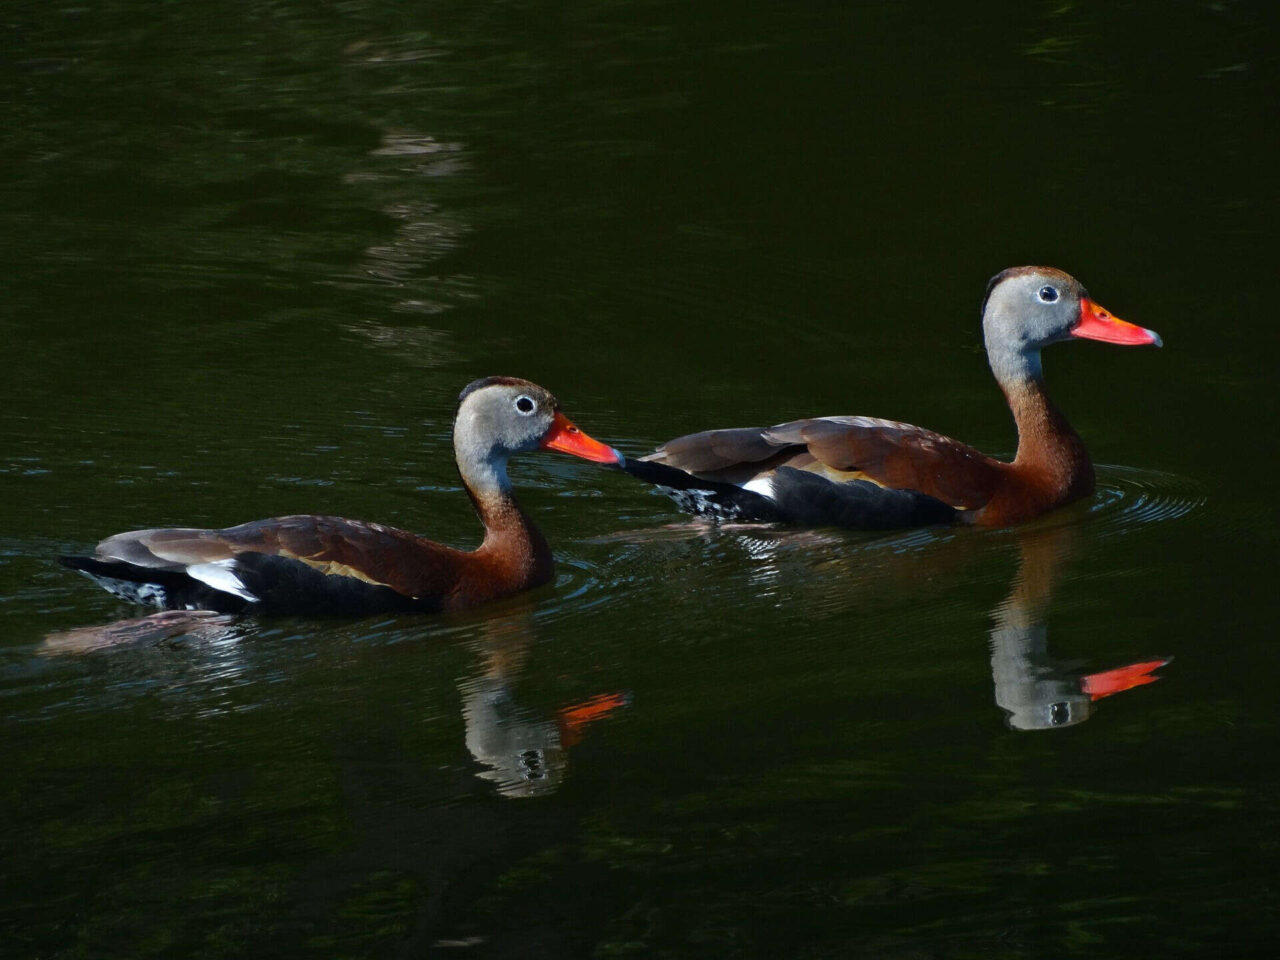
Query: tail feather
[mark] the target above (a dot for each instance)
(117, 569)
(153, 586)
(697, 495)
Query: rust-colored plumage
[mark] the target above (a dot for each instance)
(318, 564)
(854, 470)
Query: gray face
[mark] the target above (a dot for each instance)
(1032, 306)
(1026, 309)
(501, 417)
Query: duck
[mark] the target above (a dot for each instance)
(324, 565)
(868, 473)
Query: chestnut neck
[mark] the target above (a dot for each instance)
(1051, 456)
(514, 550)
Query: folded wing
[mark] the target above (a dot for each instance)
(897, 456)
(305, 563)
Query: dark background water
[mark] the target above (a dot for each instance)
(253, 251)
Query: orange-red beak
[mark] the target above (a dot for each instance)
(574, 720)
(1104, 684)
(567, 438)
(1097, 324)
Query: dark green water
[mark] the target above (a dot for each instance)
(253, 251)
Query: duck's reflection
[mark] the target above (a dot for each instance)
(524, 753)
(155, 629)
(1036, 691)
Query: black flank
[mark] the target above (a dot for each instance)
(283, 587)
(286, 586)
(812, 500)
(800, 497)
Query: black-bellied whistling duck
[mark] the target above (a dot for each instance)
(878, 474)
(327, 565)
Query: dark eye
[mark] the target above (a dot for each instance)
(1048, 294)
(525, 405)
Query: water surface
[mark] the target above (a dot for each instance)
(255, 252)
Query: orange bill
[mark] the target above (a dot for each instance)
(574, 719)
(567, 438)
(1096, 323)
(1104, 684)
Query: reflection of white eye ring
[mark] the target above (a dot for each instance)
(524, 405)
(1048, 294)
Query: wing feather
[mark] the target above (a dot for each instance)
(369, 552)
(896, 455)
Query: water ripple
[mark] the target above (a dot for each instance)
(1129, 498)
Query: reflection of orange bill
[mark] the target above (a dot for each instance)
(1104, 684)
(574, 718)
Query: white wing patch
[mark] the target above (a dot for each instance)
(762, 486)
(219, 575)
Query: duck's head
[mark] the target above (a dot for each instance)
(501, 416)
(1027, 308)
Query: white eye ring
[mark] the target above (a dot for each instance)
(1047, 294)
(524, 405)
